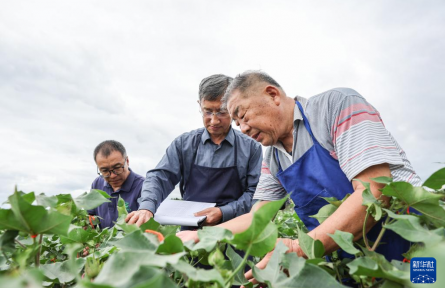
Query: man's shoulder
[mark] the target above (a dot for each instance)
(246, 139)
(191, 135)
(138, 177)
(336, 95)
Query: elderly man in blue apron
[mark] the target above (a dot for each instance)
(317, 146)
(212, 164)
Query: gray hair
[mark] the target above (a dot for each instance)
(245, 80)
(108, 146)
(213, 87)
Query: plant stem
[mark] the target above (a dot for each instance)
(338, 273)
(34, 244)
(18, 242)
(382, 231)
(40, 250)
(364, 231)
(380, 235)
(240, 266)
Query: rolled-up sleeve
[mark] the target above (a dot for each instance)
(161, 181)
(244, 203)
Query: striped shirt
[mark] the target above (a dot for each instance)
(350, 128)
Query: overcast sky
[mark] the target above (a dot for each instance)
(75, 73)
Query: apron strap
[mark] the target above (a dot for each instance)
(306, 122)
(278, 160)
(308, 128)
(195, 144)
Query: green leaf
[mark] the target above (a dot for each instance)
(61, 270)
(273, 272)
(209, 237)
(377, 266)
(437, 180)
(374, 205)
(199, 275)
(423, 201)
(120, 267)
(149, 277)
(151, 224)
(46, 201)
(137, 241)
(235, 261)
(32, 219)
(7, 243)
(345, 241)
(302, 274)
(307, 244)
(409, 227)
(262, 233)
(318, 249)
(121, 209)
(77, 234)
(171, 245)
(28, 197)
(324, 212)
(91, 200)
(382, 180)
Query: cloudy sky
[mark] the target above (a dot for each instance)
(74, 73)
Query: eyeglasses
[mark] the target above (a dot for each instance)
(116, 171)
(219, 114)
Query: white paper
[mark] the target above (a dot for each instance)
(180, 212)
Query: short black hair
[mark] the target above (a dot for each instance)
(108, 146)
(245, 80)
(213, 87)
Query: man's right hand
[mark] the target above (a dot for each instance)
(139, 217)
(188, 235)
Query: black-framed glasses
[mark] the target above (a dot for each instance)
(218, 114)
(116, 171)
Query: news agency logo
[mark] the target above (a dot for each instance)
(423, 270)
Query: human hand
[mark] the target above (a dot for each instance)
(291, 244)
(138, 217)
(213, 214)
(188, 235)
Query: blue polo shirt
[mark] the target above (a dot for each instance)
(130, 192)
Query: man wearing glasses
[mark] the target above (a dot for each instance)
(212, 164)
(117, 179)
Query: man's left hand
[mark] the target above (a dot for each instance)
(214, 216)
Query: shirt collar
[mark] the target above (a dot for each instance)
(126, 187)
(297, 112)
(230, 137)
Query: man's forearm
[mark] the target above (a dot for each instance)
(349, 217)
(241, 223)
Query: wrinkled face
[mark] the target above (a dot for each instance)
(115, 161)
(216, 121)
(257, 115)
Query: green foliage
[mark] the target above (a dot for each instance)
(345, 241)
(262, 233)
(48, 241)
(437, 180)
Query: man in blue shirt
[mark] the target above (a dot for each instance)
(212, 164)
(117, 179)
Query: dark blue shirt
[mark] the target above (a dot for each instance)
(162, 180)
(130, 192)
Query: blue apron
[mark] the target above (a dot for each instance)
(208, 184)
(316, 174)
